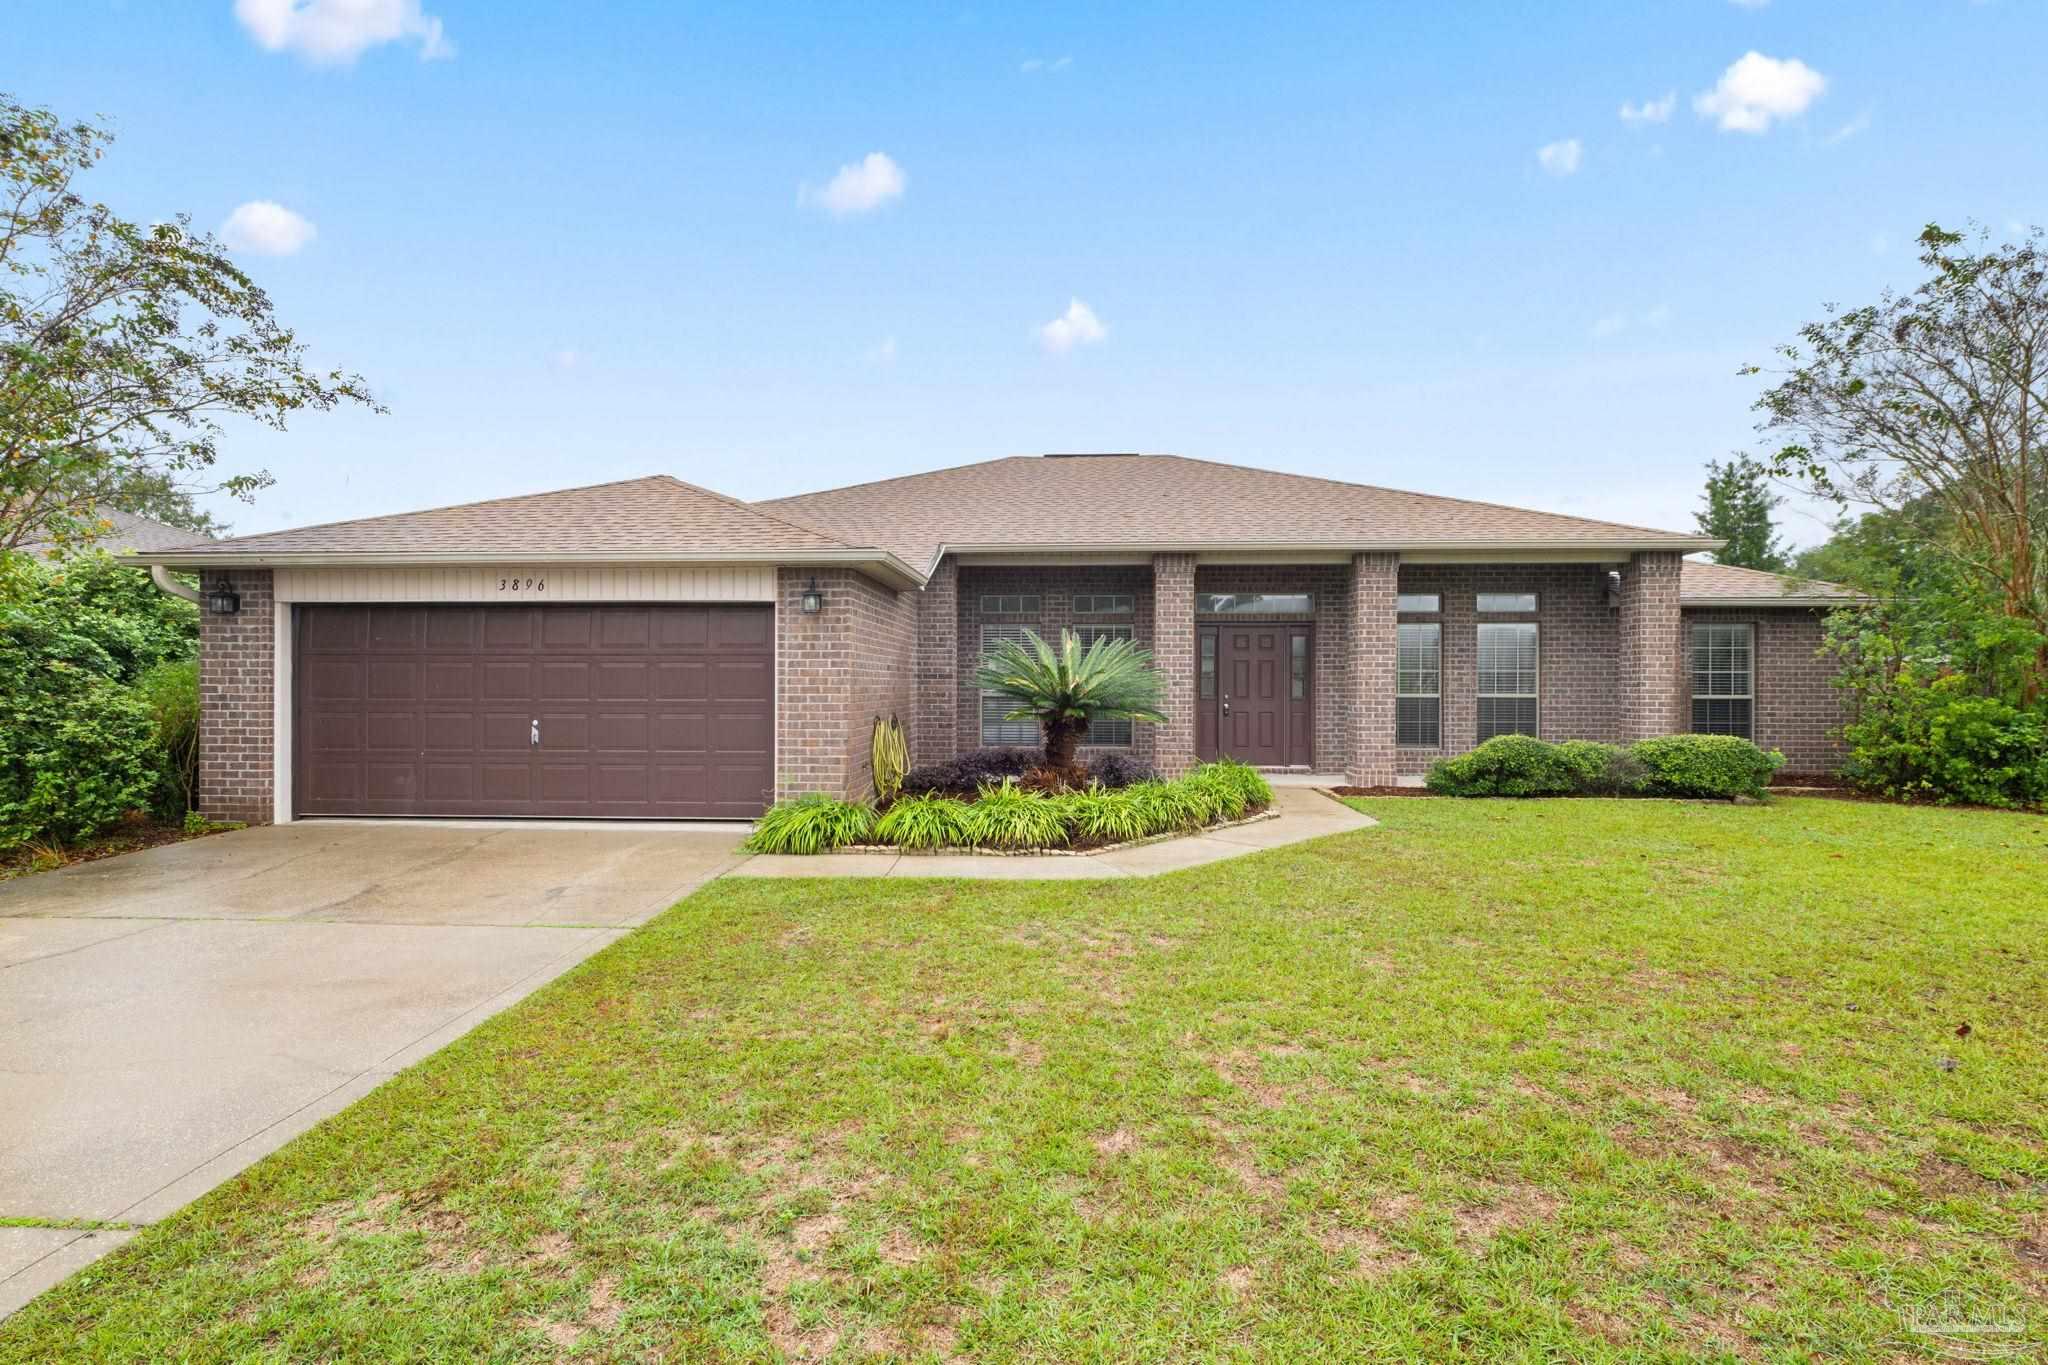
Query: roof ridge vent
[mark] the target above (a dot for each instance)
(1089, 455)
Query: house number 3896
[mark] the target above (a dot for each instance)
(518, 584)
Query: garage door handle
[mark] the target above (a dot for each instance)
(536, 734)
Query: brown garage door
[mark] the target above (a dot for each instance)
(612, 712)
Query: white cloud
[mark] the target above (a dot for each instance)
(1650, 111)
(1561, 157)
(267, 228)
(1078, 326)
(336, 32)
(1031, 66)
(1614, 324)
(862, 187)
(1756, 90)
(1860, 123)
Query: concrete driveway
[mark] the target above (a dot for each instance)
(168, 1017)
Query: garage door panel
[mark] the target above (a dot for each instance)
(682, 680)
(564, 680)
(505, 680)
(620, 680)
(332, 680)
(732, 680)
(684, 628)
(614, 732)
(568, 628)
(646, 711)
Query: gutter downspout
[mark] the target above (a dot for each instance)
(161, 576)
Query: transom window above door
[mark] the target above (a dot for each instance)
(1254, 603)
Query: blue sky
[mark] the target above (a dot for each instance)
(571, 242)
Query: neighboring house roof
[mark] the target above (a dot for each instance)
(655, 518)
(130, 533)
(1165, 502)
(1701, 584)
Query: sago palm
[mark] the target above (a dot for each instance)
(1065, 688)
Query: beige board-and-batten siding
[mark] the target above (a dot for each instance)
(530, 583)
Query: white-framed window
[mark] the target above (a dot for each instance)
(1009, 603)
(1103, 603)
(994, 705)
(1419, 601)
(1418, 684)
(1104, 729)
(1723, 680)
(1507, 679)
(1254, 603)
(1506, 601)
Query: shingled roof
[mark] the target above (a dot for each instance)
(1163, 502)
(654, 518)
(1701, 584)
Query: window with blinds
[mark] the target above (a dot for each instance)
(1418, 685)
(1723, 680)
(994, 705)
(1507, 680)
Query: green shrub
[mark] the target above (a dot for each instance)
(1938, 739)
(1113, 815)
(171, 693)
(1241, 783)
(814, 823)
(1506, 765)
(1723, 766)
(1007, 816)
(925, 822)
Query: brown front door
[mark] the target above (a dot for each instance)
(640, 712)
(1259, 713)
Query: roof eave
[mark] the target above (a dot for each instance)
(879, 564)
(1748, 603)
(1675, 544)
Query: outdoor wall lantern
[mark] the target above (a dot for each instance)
(223, 600)
(813, 600)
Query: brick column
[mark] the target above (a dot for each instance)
(1375, 579)
(935, 728)
(1648, 658)
(1173, 654)
(237, 723)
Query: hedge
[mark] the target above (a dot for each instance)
(1713, 766)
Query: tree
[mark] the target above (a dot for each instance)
(1738, 510)
(1064, 689)
(122, 347)
(1937, 395)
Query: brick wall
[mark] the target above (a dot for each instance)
(1055, 587)
(1374, 581)
(834, 673)
(1798, 709)
(1173, 649)
(1648, 657)
(936, 733)
(1575, 640)
(237, 662)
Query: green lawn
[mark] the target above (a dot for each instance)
(1568, 1080)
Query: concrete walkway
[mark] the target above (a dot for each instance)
(168, 1017)
(1304, 813)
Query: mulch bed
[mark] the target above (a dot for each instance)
(131, 836)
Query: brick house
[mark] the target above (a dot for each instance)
(650, 649)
